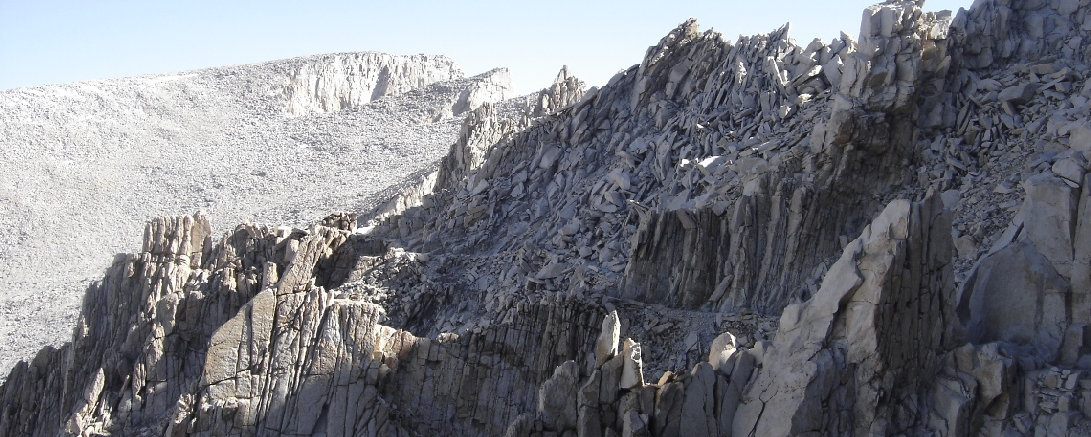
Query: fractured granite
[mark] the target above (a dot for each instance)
(877, 237)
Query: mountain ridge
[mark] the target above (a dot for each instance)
(97, 159)
(748, 238)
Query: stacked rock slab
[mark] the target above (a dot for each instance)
(859, 358)
(706, 147)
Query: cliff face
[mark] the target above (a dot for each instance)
(331, 83)
(873, 237)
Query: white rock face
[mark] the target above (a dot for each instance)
(335, 82)
(607, 344)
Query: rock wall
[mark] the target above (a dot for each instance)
(858, 358)
(188, 337)
(334, 82)
(1000, 32)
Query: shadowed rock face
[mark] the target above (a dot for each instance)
(876, 237)
(873, 331)
(239, 339)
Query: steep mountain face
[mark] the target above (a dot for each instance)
(875, 237)
(279, 142)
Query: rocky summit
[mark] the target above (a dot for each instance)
(882, 236)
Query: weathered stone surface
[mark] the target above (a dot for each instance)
(607, 344)
(1081, 258)
(699, 407)
(1016, 295)
(243, 378)
(609, 263)
(557, 398)
(348, 80)
(632, 373)
(721, 352)
(1049, 219)
(1080, 137)
(883, 313)
(1018, 94)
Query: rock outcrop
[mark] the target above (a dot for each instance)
(243, 336)
(858, 356)
(98, 159)
(334, 82)
(876, 237)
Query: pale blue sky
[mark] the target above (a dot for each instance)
(44, 41)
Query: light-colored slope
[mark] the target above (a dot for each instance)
(87, 164)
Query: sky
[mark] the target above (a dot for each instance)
(50, 41)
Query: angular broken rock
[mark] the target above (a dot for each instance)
(1018, 94)
(632, 372)
(720, 352)
(557, 398)
(607, 344)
